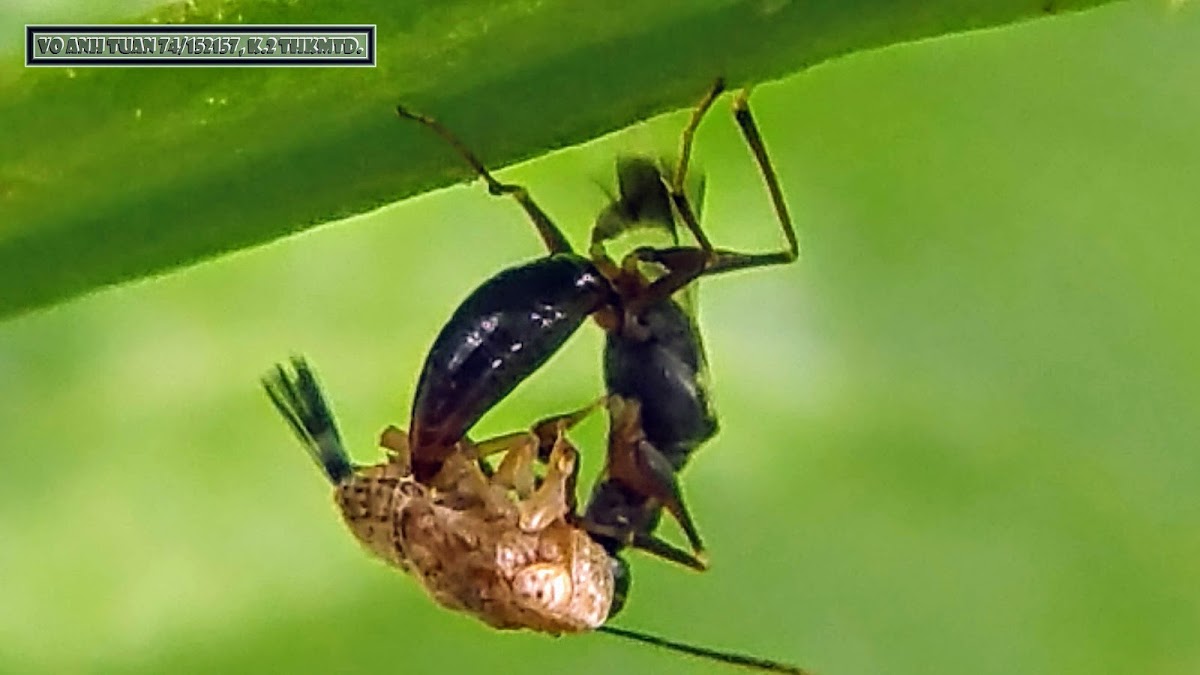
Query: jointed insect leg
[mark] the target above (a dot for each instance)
(458, 471)
(516, 469)
(555, 497)
(725, 260)
(745, 121)
(653, 545)
(636, 463)
(522, 448)
(538, 505)
(687, 264)
(645, 541)
(679, 176)
(545, 431)
(554, 239)
(550, 429)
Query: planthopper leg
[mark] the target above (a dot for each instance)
(522, 448)
(555, 497)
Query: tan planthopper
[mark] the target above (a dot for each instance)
(497, 547)
(504, 546)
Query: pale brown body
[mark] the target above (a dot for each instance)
(496, 548)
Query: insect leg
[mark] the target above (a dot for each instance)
(644, 541)
(516, 469)
(653, 545)
(555, 497)
(675, 186)
(724, 260)
(549, 429)
(554, 239)
(545, 432)
(657, 476)
(523, 447)
(686, 264)
(745, 121)
(635, 462)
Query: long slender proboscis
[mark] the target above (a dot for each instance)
(730, 658)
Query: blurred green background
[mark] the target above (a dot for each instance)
(959, 437)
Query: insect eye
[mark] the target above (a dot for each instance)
(545, 585)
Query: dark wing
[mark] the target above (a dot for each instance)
(642, 205)
(299, 399)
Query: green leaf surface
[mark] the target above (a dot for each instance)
(958, 438)
(111, 174)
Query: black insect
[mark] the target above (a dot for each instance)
(654, 360)
(514, 563)
(436, 511)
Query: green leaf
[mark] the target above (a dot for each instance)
(108, 175)
(959, 437)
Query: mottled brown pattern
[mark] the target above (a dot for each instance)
(462, 538)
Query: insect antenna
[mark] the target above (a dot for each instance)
(731, 658)
(298, 397)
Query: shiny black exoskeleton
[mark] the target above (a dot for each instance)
(655, 371)
(498, 336)
(654, 367)
(656, 355)
(661, 367)
(654, 358)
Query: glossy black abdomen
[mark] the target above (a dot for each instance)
(503, 332)
(660, 362)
